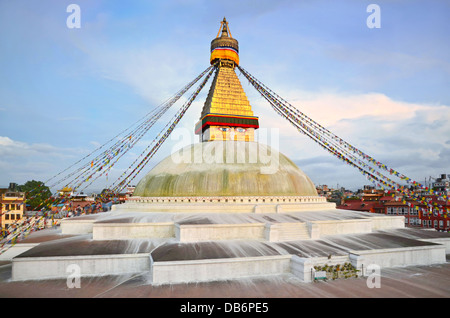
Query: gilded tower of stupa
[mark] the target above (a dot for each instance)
(227, 113)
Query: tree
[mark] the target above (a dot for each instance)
(36, 193)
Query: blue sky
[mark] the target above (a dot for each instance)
(64, 91)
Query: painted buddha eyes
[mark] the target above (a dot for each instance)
(240, 130)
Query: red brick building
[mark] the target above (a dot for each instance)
(432, 212)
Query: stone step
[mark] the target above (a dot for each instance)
(289, 232)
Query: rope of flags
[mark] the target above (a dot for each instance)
(112, 188)
(157, 144)
(338, 147)
(125, 148)
(100, 164)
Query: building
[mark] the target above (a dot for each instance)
(369, 193)
(405, 209)
(130, 190)
(66, 191)
(12, 206)
(334, 195)
(442, 185)
(430, 212)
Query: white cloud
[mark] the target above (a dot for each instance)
(12, 148)
(155, 72)
(408, 137)
(21, 161)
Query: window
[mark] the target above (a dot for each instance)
(6, 216)
(6, 207)
(17, 216)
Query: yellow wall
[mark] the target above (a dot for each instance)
(13, 208)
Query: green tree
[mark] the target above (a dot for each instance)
(36, 193)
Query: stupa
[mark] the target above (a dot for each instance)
(225, 208)
(227, 163)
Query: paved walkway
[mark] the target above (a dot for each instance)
(404, 282)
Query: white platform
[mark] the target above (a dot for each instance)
(121, 231)
(215, 232)
(15, 250)
(291, 240)
(184, 271)
(32, 268)
(218, 269)
(222, 231)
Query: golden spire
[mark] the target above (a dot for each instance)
(225, 29)
(224, 48)
(227, 114)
